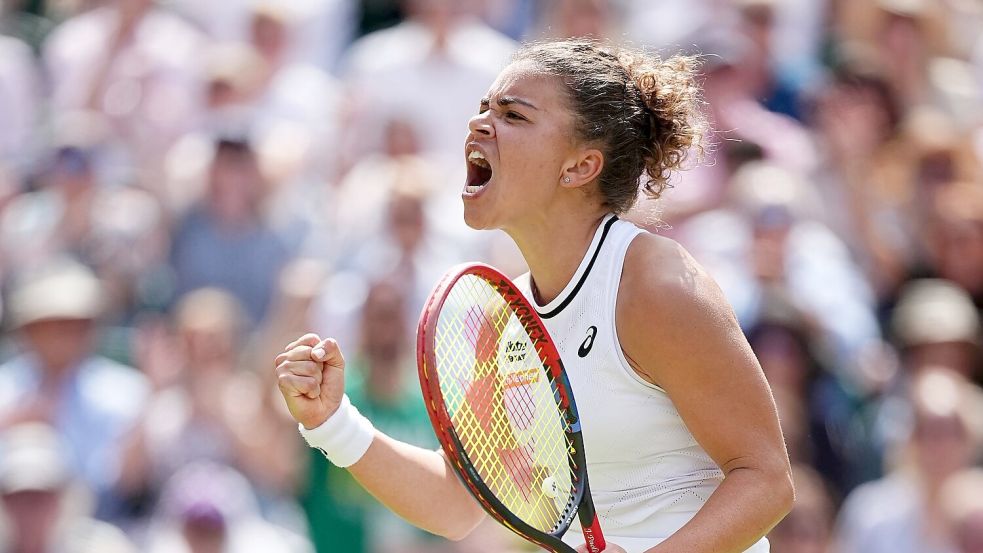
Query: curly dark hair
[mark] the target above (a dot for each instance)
(643, 112)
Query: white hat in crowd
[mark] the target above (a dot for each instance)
(935, 311)
(62, 290)
(32, 458)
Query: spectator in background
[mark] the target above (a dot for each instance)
(906, 37)
(290, 106)
(738, 76)
(809, 527)
(10, 188)
(89, 400)
(287, 112)
(767, 238)
(19, 104)
(297, 113)
(577, 18)
(955, 237)
(392, 225)
(42, 510)
(358, 203)
(135, 63)
(962, 497)
(224, 239)
(57, 218)
(902, 512)
(936, 191)
(856, 119)
(208, 409)
(438, 59)
(939, 153)
(211, 508)
(935, 323)
(323, 27)
(743, 129)
(405, 244)
(978, 59)
(289, 91)
(899, 36)
(230, 71)
(298, 288)
(76, 209)
(758, 20)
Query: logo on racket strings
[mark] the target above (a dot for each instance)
(521, 378)
(515, 351)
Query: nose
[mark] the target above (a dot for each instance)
(480, 124)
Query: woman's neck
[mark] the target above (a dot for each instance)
(553, 249)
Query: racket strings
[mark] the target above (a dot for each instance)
(502, 404)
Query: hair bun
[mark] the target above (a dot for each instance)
(672, 98)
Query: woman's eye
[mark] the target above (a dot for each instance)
(514, 115)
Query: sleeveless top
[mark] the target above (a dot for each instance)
(648, 475)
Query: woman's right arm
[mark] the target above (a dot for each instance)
(415, 483)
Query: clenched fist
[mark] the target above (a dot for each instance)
(311, 376)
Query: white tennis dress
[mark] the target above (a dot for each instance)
(648, 475)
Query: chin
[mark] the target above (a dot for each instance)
(475, 221)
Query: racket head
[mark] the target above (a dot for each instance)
(503, 409)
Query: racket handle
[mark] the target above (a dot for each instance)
(593, 537)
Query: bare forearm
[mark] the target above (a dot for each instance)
(418, 485)
(748, 503)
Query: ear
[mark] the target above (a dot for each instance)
(583, 169)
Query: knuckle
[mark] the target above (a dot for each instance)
(287, 369)
(302, 368)
(299, 353)
(284, 381)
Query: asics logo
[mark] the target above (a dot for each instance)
(588, 342)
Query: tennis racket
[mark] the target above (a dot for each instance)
(502, 407)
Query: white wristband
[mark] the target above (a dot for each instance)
(344, 437)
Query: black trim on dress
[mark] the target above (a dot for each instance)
(556, 311)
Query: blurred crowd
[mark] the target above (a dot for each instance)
(186, 186)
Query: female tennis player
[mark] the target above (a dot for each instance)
(683, 444)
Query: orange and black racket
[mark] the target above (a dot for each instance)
(502, 407)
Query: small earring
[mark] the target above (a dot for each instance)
(566, 180)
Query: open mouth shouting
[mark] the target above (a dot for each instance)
(479, 173)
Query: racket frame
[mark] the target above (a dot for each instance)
(581, 504)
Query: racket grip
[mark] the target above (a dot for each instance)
(593, 537)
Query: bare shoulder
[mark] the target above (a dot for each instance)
(669, 305)
(659, 272)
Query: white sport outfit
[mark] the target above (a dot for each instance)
(648, 475)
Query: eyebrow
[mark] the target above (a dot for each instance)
(509, 100)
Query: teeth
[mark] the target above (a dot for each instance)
(476, 158)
